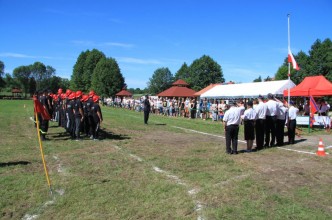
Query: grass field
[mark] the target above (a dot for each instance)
(173, 168)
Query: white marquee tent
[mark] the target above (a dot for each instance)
(248, 90)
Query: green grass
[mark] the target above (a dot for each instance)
(101, 180)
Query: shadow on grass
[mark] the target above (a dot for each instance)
(14, 163)
(104, 134)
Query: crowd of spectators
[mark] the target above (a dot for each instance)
(175, 107)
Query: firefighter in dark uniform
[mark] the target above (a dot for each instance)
(86, 124)
(70, 117)
(97, 117)
(43, 128)
(79, 115)
(89, 104)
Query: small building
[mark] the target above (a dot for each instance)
(16, 93)
(124, 93)
(179, 89)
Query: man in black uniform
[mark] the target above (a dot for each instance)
(70, 118)
(86, 124)
(97, 117)
(147, 108)
(43, 122)
(89, 105)
(79, 115)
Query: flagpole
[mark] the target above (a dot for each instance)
(288, 15)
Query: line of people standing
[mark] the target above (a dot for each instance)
(263, 121)
(74, 111)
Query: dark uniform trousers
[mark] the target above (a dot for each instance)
(232, 132)
(260, 131)
(271, 123)
(146, 116)
(291, 131)
(280, 132)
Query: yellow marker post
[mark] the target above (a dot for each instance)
(42, 155)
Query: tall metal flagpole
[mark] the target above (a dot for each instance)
(288, 15)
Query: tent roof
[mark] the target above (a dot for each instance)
(123, 92)
(248, 90)
(206, 89)
(177, 91)
(312, 85)
(180, 82)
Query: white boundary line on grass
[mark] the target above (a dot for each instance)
(191, 191)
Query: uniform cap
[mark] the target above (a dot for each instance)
(68, 91)
(91, 93)
(85, 98)
(71, 96)
(95, 98)
(78, 94)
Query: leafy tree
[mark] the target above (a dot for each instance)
(321, 58)
(318, 62)
(90, 64)
(2, 69)
(107, 79)
(11, 82)
(268, 78)
(161, 80)
(32, 86)
(22, 74)
(259, 79)
(38, 71)
(203, 72)
(183, 73)
(76, 82)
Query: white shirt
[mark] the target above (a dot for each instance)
(292, 112)
(282, 112)
(232, 116)
(261, 109)
(272, 108)
(249, 114)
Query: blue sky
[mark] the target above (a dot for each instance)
(248, 38)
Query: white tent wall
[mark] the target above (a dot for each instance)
(248, 90)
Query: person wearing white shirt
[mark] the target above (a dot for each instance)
(281, 120)
(232, 120)
(323, 108)
(292, 113)
(271, 121)
(249, 117)
(260, 110)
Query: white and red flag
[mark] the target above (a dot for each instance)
(292, 60)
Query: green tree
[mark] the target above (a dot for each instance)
(107, 79)
(76, 82)
(161, 80)
(2, 71)
(321, 58)
(259, 79)
(11, 82)
(183, 73)
(90, 64)
(22, 74)
(38, 71)
(318, 62)
(32, 86)
(203, 72)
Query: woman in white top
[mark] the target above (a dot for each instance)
(249, 117)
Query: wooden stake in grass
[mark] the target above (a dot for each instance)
(37, 107)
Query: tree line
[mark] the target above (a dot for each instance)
(94, 71)
(31, 78)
